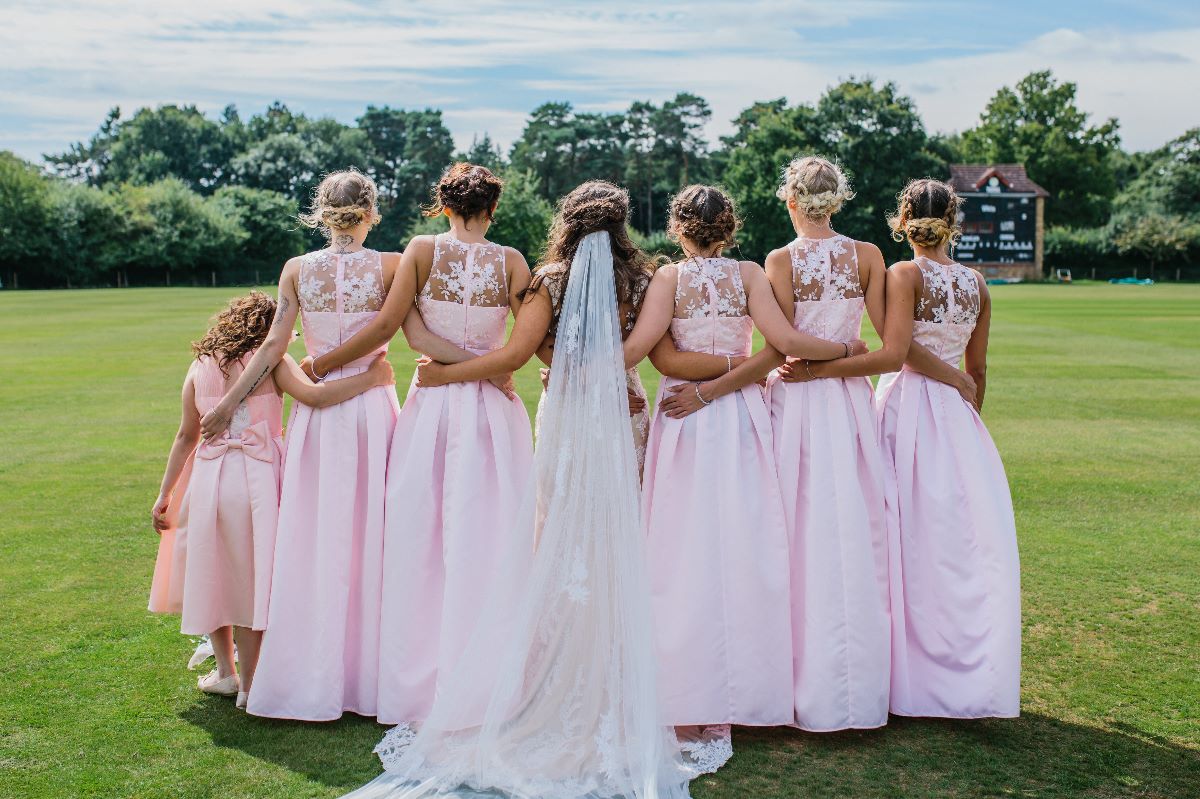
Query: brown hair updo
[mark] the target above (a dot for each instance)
(468, 190)
(590, 207)
(344, 199)
(705, 215)
(238, 329)
(926, 214)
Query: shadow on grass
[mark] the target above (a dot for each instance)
(1033, 756)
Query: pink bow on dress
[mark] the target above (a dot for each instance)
(256, 442)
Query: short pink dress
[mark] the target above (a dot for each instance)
(214, 564)
(320, 654)
(831, 476)
(717, 544)
(458, 470)
(955, 575)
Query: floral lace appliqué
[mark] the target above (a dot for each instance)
(709, 287)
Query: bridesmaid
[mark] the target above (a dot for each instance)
(955, 576)
(830, 465)
(717, 544)
(461, 454)
(320, 655)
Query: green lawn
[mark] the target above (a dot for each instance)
(1094, 402)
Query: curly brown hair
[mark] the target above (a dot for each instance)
(238, 329)
(469, 190)
(926, 214)
(591, 207)
(344, 199)
(705, 215)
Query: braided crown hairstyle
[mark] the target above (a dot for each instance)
(344, 199)
(926, 214)
(469, 190)
(705, 215)
(818, 187)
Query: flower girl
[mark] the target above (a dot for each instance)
(217, 508)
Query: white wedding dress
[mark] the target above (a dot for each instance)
(569, 680)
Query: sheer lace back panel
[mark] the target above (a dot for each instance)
(465, 298)
(947, 309)
(826, 288)
(264, 405)
(339, 294)
(554, 278)
(711, 314)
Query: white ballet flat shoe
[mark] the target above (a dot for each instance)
(242, 696)
(212, 683)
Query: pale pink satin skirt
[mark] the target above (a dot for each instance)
(831, 477)
(214, 565)
(320, 654)
(459, 469)
(717, 558)
(955, 576)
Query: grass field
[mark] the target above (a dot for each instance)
(1094, 402)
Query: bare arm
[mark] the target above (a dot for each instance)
(527, 336)
(976, 355)
(423, 341)
(264, 359)
(670, 361)
(779, 333)
(292, 379)
(401, 292)
(654, 318)
(903, 283)
(184, 444)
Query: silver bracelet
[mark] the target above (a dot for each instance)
(700, 396)
(317, 379)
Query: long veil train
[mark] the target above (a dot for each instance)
(568, 683)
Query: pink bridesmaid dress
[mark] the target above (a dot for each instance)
(955, 576)
(214, 566)
(320, 653)
(831, 476)
(717, 545)
(460, 461)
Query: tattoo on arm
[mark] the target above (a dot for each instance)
(257, 380)
(281, 311)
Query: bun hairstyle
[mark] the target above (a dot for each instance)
(704, 215)
(817, 185)
(240, 328)
(343, 200)
(468, 190)
(594, 206)
(926, 214)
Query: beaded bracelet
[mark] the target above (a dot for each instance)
(700, 396)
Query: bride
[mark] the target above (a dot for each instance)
(568, 681)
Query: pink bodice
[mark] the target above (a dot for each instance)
(465, 298)
(339, 295)
(710, 308)
(826, 288)
(947, 310)
(263, 409)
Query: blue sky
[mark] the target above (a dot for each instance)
(63, 64)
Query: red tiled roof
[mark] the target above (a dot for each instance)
(972, 177)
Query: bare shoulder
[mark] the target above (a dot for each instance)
(291, 267)
(515, 262)
(751, 272)
(421, 245)
(865, 251)
(778, 259)
(666, 273)
(908, 270)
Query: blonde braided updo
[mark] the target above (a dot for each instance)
(818, 187)
(926, 214)
(343, 200)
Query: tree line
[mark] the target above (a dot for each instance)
(170, 195)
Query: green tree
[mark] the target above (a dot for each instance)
(563, 149)
(273, 231)
(92, 234)
(1038, 124)
(175, 234)
(27, 223)
(664, 150)
(484, 152)
(872, 131)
